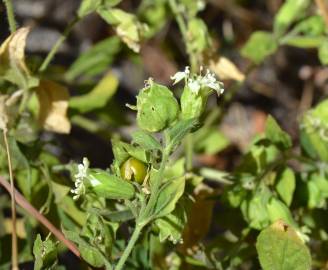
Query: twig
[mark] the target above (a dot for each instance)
(42, 219)
(57, 45)
(323, 9)
(14, 256)
(10, 15)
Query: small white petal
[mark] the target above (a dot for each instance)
(178, 77)
(194, 86)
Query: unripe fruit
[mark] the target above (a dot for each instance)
(133, 169)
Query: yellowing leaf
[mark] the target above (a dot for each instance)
(226, 70)
(20, 227)
(280, 247)
(53, 100)
(12, 60)
(3, 113)
(98, 96)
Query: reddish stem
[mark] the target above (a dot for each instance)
(21, 201)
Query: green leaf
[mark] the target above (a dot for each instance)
(314, 130)
(221, 177)
(304, 41)
(169, 194)
(260, 45)
(317, 191)
(276, 135)
(177, 132)
(171, 226)
(210, 141)
(45, 253)
(127, 26)
(157, 107)
(278, 210)
(290, 11)
(145, 140)
(198, 36)
(96, 59)
(323, 52)
(286, 185)
(88, 6)
(97, 97)
(89, 253)
(115, 216)
(311, 26)
(280, 248)
(254, 210)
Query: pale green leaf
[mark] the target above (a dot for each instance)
(145, 140)
(323, 52)
(276, 135)
(260, 45)
(286, 185)
(290, 11)
(280, 248)
(98, 96)
(169, 194)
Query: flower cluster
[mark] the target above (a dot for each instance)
(79, 179)
(315, 124)
(198, 82)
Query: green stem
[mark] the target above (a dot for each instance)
(155, 188)
(184, 31)
(57, 45)
(10, 15)
(128, 249)
(145, 213)
(189, 151)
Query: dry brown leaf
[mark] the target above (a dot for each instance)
(199, 218)
(12, 50)
(53, 99)
(226, 70)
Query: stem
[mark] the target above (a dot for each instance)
(184, 31)
(14, 258)
(10, 15)
(57, 45)
(21, 201)
(128, 249)
(155, 188)
(144, 216)
(189, 151)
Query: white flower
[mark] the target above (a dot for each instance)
(79, 179)
(198, 82)
(177, 77)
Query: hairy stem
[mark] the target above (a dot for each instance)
(10, 15)
(146, 213)
(57, 45)
(128, 249)
(21, 201)
(14, 254)
(155, 188)
(184, 32)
